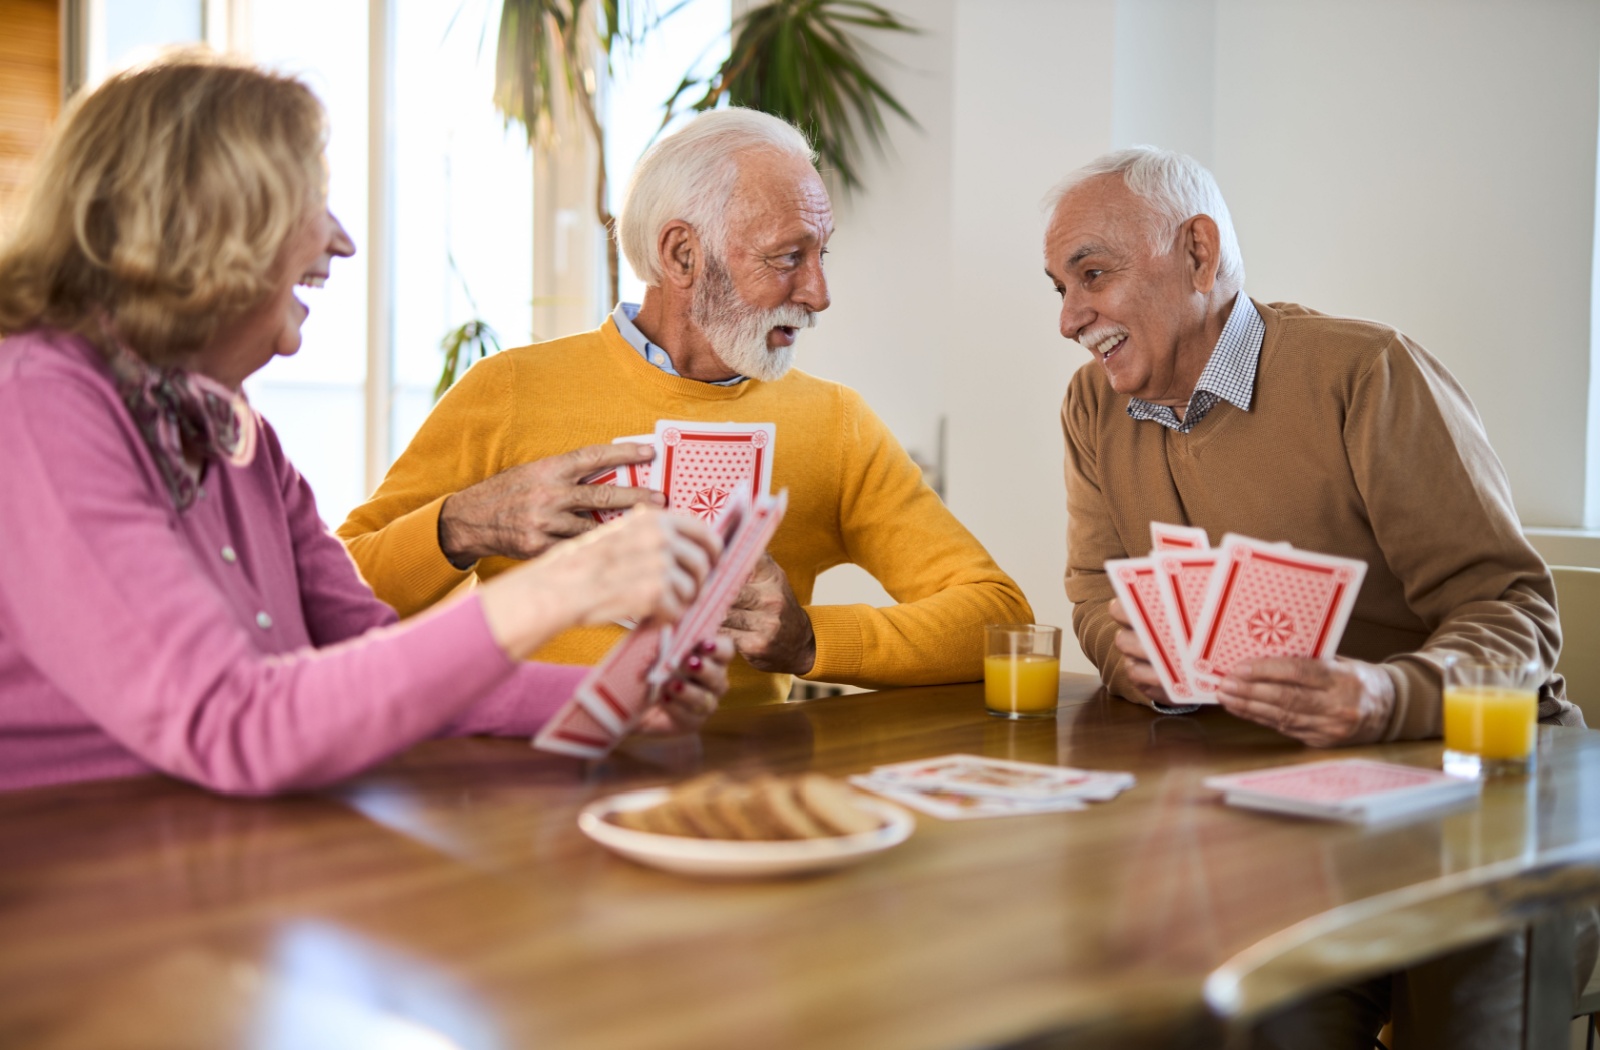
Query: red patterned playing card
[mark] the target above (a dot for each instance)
(1266, 600)
(703, 466)
(1139, 589)
(629, 474)
(574, 731)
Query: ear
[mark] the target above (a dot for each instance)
(1203, 245)
(678, 254)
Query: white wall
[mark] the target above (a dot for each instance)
(1430, 163)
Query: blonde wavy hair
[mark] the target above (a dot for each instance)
(162, 203)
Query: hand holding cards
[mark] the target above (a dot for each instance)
(615, 695)
(1201, 611)
(702, 468)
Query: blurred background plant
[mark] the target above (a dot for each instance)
(802, 60)
(465, 343)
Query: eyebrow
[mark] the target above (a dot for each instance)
(1083, 253)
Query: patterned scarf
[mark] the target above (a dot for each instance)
(183, 415)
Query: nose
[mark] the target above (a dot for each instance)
(811, 290)
(339, 242)
(1075, 315)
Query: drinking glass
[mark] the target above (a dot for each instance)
(1490, 710)
(1021, 670)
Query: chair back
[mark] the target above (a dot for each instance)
(1578, 595)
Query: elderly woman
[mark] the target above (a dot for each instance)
(169, 599)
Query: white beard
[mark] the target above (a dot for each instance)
(738, 331)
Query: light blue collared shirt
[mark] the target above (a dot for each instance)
(624, 314)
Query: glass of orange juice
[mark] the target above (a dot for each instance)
(1490, 710)
(1021, 670)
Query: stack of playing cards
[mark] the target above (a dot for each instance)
(615, 695)
(1352, 789)
(702, 468)
(963, 787)
(1199, 610)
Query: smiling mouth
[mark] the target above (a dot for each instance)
(1106, 345)
(312, 280)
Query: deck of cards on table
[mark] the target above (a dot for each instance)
(1200, 610)
(964, 787)
(1351, 789)
(702, 468)
(617, 692)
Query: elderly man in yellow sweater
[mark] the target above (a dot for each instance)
(1204, 407)
(727, 223)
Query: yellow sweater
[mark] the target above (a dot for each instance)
(854, 496)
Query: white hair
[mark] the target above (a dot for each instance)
(1177, 188)
(690, 175)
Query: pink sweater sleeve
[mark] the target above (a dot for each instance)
(102, 595)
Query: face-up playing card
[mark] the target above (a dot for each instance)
(1270, 600)
(954, 805)
(1165, 537)
(1001, 778)
(1139, 588)
(637, 475)
(701, 466)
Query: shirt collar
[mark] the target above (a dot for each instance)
(1229, 375)
(624, 315)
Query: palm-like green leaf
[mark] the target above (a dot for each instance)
(461, 347)
(801, 60)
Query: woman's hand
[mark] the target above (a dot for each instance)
(648, 565)
(694, 691)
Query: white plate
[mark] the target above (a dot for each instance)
(732, 859)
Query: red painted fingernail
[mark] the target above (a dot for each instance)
(694, 663)
(706, 646)
(677, 687)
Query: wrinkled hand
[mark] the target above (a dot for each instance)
(523, 511)
(694, 691)
(1134, 659)
(648, 565)
(768, 626)
(1323, 703)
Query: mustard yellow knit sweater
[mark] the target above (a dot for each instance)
(854, 496)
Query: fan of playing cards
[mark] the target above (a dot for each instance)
(614, 696)
(702, 468)
(965, 787)
(1200, 610)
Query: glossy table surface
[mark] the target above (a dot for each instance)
(448, 899)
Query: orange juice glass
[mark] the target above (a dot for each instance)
(1490, 710)
(1021, 670)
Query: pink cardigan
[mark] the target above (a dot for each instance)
(233, 644)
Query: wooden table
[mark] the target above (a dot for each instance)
(447, 898)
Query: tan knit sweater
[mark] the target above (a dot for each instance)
(1357, 443)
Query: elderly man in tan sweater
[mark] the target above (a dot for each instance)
(1337, 435)
(1334, 434)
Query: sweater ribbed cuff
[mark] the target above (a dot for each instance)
(420, 573)
(1418, 701)
(840, 648)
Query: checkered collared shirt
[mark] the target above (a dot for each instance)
(1229, 376)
